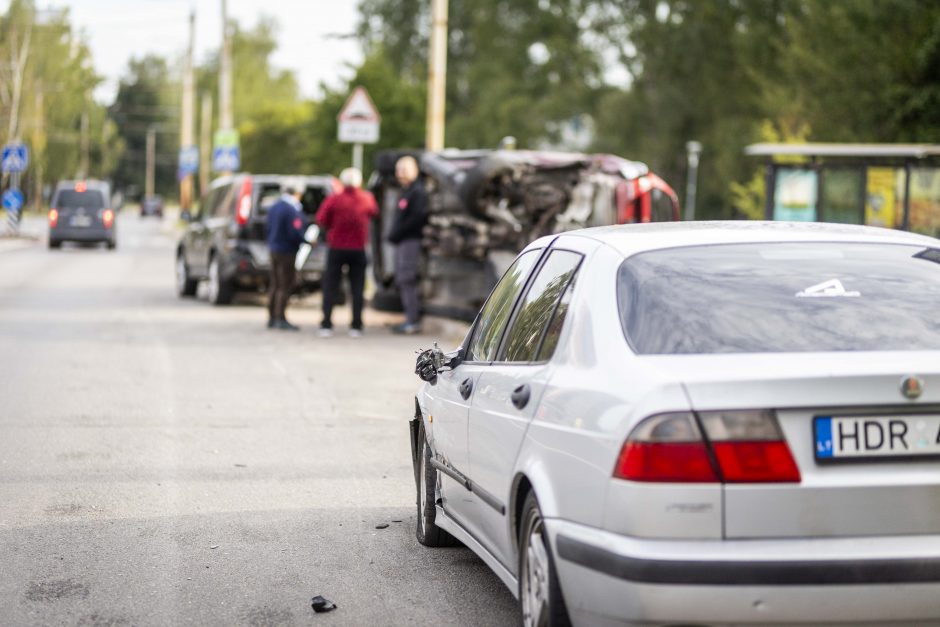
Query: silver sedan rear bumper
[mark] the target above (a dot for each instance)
(610, 579)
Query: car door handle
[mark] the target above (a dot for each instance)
(466, 388)
(520, 396)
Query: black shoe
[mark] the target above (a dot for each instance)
(284, 325)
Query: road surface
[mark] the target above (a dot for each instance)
(166, 462)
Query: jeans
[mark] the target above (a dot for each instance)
(355, 262)
(407, 261)
(282, 284)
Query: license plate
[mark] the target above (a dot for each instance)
(862, 437)
(80, 221)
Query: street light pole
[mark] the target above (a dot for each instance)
(187, 117)
(693, 149)
(437, 76)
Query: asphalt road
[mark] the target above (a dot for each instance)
(166, 462)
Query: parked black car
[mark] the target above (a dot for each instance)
(224, 242)
(151, 206)
(81, 212)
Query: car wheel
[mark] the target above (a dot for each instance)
(54, 243)
(539, 591)
(185, 285)
(427, 532)
(220, 291)
(112, 244)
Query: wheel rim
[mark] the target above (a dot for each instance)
(180, 274)
(213, 280)
(423, 491)
(535, 569)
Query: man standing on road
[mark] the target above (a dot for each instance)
(285, 231)
(346, 216)
(406, 231)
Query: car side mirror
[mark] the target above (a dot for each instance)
(433, 360)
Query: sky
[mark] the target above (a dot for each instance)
(116, 30)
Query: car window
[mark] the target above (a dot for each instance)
(537, 306)
(781, 298)
(220, 206)
(557, 323)
(497, 308)
(69, 199)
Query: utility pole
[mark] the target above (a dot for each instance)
(151, 157)
(694, 149)
(226, 116)
(205, 142)
(187, 118)
(39, 146)
(84, 143)
(437, 76)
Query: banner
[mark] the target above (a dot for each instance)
(795, 195)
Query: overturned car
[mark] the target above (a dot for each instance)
(487, 205)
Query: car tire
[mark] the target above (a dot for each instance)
(427, 532)
(387, 299)
(54, 243)
(185, 284)
(112, 244)
(540, 601)
(220, 290)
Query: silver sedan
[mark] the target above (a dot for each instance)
(697, 424)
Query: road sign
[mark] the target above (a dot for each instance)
(13, 200)
(189, 160)
(226, 159)
(359, 120)
(14, 159)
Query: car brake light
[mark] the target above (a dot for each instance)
(749, 447)
(669, 448)
(81, 186)
(53, 217)
(107, 216)
(243, 205)
(737, 447)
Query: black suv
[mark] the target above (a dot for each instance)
(225, 244)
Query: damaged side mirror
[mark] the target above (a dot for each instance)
(432, 361)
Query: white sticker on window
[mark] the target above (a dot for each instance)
(828, 289)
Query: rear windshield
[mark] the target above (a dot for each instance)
(270, 193)
(69, 198)
(781, 297)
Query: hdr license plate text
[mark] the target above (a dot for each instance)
(876, 436)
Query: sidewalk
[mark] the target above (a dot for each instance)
(30, 232)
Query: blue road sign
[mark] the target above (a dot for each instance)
(189, 160)
(13, 200)
(226, 159)
(15, 158)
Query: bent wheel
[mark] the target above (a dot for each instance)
(540, 596)
(220, 290)
(185, 285)
(427, 532)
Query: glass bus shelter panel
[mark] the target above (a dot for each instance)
(842, 198)
(795, 194)
(925, 201)
(884, 197)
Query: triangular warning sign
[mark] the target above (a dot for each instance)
(359, 106)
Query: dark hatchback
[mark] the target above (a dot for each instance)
(81, 212)
(224, 243)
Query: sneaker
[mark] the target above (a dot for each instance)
(325, 332)
(355, 333)
(406, 328)
(284, 325)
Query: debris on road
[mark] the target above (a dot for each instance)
(214, 546)
(381, 526)
(396, 519)
(320, 604)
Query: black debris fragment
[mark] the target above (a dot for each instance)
(381, 526)
(396, 519)
(320, 605)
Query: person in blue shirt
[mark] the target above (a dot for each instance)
(285, 233)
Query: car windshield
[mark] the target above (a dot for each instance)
(781, 297)
(89, 199)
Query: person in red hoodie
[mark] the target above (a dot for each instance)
(346, 217)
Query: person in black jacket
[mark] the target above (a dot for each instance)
(285, 233)
(405, 233)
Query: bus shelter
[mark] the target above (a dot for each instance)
(888, 185)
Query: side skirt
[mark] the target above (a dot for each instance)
(454, 529)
